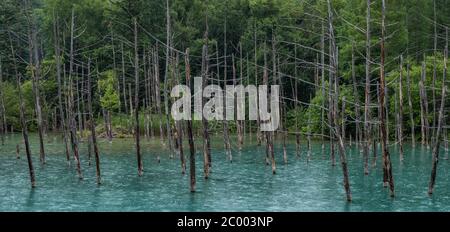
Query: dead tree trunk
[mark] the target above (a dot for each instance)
(179, 125)
(387, 167)
(343, 119)
(423, 106)
(17, 151)
(357, 105)
(433, 83)
(70, 105)
(2, 107)
(297, 133)
(92, 125)
(224, 121)
(269, 134)
(367, 93)
(22, 116)
(411, 110)
(166, 79)
(124, 87)
(158, 93)
(136, 99)
(58, 76)
(189, 129)
(437, 143)
(258, 121)
(330, 106)
(400, 112)
(34, 61)
(334, 64)
(322, 68)
(239, 122)
(206, 141)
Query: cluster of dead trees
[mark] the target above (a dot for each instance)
(76, 92)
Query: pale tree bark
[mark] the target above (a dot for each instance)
(22, 116)
(258, 121)
(92, 125)
(437, 143)
(400, 113)
(166, 79)
(179, 125)
(334, 64)
(411, 109)
(297, 133)
(206, 139)
(2, 107)
(387, 166)
(70, 101)
(227, 142)
(322, 68)
(423, 106)
(239, 123)
(357, 105)
(433, 83)
(367, 125)
(136, 99)
(124, 90)
(189, 129)
(34, 62)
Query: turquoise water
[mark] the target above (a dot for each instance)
(247, 184)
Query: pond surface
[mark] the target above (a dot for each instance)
(246, 184)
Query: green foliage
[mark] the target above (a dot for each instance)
(107, 85)
(102, 27)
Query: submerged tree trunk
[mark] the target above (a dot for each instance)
(387, 166)
(423, 106)
(206, 141)
(2, 107)
(166, 79)
(58, 76)
(70, 106)
(92, 125)
(258, 121)
(334, 54)
(22, 117)
(297, 133)
(437, 143)
(227, 142)
(34, 61)
(433, 83)
(400, 113)
(189, 129)
(367, 93)
(136, 100)
(269, 134)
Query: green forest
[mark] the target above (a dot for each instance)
(363, 71)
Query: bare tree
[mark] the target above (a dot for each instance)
(437, 143)
(387, 166)
(367, 92)
(136, 99)
(189, 129)
(92, 125)
(206, 139)
(23, 120)
(400, 112)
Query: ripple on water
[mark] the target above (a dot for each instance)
(247, 184)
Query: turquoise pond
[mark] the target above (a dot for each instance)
(246, 184)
